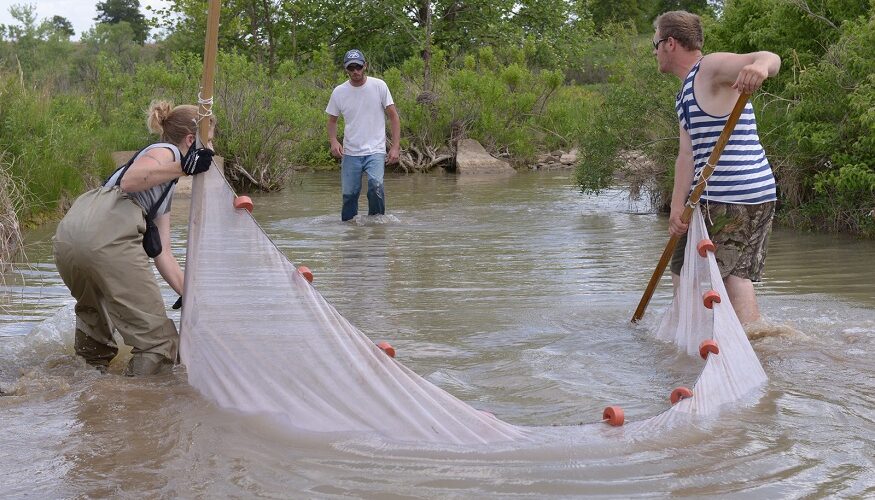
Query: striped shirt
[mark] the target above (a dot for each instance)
(743, 175)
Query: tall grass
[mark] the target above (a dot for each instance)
(12, 201)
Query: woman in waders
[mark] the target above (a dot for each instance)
(101, 247)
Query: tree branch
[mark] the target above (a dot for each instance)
(248, 176)
(803, 4)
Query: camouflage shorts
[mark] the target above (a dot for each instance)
(741, 234)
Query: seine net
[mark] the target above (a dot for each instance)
(256, 337)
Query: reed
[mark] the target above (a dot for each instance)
(11, 202)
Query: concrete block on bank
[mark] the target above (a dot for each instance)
(472, 158)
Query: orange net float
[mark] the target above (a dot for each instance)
(243, 202)
(613, 415)
(708, 347)
(387, 348)
(679, 394)
(710, 298)
(306, 273)
(705, 246)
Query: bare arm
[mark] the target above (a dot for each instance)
(395, 128)
(744, 73)
(165, 262)
(154, 167)
(336, 147)
(683, 179)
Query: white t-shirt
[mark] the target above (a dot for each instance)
(364, 114)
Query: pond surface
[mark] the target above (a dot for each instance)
(513, 294)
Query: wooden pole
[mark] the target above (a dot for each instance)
(211, 47)
(691, 203)
(205, 110)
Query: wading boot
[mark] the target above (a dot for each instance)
(147, 363)
(96, 354)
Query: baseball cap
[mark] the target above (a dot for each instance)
(353, 56)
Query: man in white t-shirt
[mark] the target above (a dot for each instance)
(364, 102)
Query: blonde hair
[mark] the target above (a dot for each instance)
(684, 27)
(173, 123)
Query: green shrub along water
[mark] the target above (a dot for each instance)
(520, 85)
(270, 124)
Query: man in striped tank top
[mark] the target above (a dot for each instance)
(739, 199)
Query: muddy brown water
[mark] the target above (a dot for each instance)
(512, 294)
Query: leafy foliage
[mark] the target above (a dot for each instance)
(124, 11)
(636, 115)
(47, 143)
(520, 76)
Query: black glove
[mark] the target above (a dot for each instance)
(197, 161)
(178, 303)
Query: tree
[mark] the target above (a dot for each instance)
(26, 31)
(115, 41)
(24, 38)
(557, 32)
(265, 30)
(617, 11)
(701, 7)
(61, 26)
(116, 11)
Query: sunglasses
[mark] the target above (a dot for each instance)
(354, 67)
(656, 43)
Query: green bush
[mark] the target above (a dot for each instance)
(636, 114)
(830, 134)
(50, 144)
(261, 119)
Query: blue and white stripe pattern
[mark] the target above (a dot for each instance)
(743, 174)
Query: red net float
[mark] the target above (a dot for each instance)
(679, 394)
(387, 348)
(306, 273)
(613, 415)
(710, 298)
(708, 347)
(243, 202)
(705, 246)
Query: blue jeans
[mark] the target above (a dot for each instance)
(351, 168)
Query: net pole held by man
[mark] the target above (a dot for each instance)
(691, 203)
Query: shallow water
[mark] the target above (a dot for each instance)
(512, 294)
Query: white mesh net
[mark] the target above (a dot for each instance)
(258, 338)
(735, 371)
